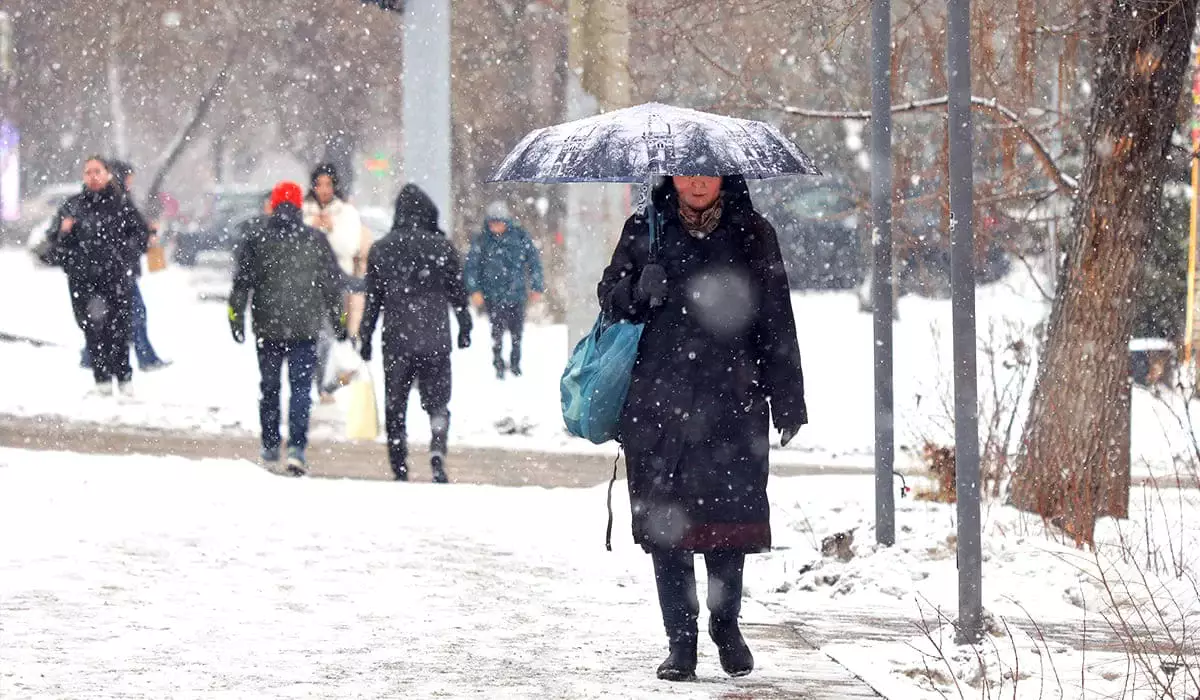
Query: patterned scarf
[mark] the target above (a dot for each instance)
(701, 222)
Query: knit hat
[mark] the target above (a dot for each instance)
(498, 210)
(288, 192)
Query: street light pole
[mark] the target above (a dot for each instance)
(427, 101)
(881, 276)
(962, 292)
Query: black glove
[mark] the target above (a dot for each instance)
(464, 329)
(364, 350)
(652, 285)
(237, 327)
(339, 330)
(786, 435)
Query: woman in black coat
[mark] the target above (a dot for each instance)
(718, 354)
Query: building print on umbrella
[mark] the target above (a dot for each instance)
(660, 146)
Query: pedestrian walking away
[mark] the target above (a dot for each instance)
(326, 209)
(148, 359)
(718, 358)
(413, 278)
(503, 271)
(287, 273)
(98, 237)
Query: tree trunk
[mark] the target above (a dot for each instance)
(1074, 463)
(116, 92)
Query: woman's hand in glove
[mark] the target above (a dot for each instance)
(652, 285)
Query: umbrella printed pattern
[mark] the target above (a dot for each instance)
(633, 144)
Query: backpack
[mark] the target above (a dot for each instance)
(596, 380)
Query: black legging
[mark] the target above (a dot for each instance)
(675, 575)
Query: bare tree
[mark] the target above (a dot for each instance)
(1074, 465)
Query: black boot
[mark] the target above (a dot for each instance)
(438, 463)
(735, 655)
(680, 664)
(400, 473)
(724, 605)
(675, 578)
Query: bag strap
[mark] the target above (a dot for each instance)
(654, 222)
(613, 480)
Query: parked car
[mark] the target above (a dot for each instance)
(817, 225)
(36, 211)
(823, 228)
(217, 229)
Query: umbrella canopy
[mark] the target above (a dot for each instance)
(637, 143)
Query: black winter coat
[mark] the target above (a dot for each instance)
(107, 240)
(413, 274)
(288, 273)
(713, 360)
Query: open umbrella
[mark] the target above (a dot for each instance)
(638, 143)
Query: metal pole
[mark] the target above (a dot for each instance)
(962, 284)
(1189, 335)
(427, 102)
(881, 276)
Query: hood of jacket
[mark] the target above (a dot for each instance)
(414, 210)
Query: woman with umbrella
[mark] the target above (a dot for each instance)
(718, 358)
(718, 351)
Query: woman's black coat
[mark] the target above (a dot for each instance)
(712, 361)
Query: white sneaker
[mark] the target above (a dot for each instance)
(125, 389)
(102, 389)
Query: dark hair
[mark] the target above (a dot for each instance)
(330, 170)
(100, 160)
(120, 170)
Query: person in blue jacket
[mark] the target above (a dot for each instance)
(503, 270)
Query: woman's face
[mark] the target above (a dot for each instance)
(698, 192)
(323, 189)
(95, 175)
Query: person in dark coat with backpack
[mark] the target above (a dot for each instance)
(287, 272)
(718, 360)
(413, 277)
(99, 239)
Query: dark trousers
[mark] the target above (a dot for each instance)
(675, 575)
(102, 308)
(508, 317)
(301, 358)
(146, 356)
(432, 375)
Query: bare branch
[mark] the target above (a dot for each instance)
(1065, 183)
(184, 137)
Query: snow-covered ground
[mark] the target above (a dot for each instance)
(161, 577)
(213, 384)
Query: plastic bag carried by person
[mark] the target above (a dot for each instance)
(344, 366)
(362, 413)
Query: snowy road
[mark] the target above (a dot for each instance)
(162, 577)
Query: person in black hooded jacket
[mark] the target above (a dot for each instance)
(413, 275)
(99, 240)
(718, 358)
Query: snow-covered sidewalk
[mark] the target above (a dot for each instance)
(161, 577)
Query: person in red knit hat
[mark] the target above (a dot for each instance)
(288, 274)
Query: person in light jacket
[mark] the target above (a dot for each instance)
(326, 209)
